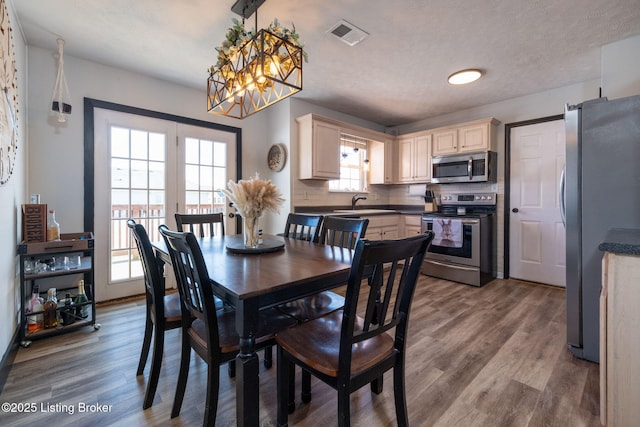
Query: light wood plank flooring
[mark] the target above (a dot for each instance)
(490, 356)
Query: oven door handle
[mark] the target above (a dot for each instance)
(464, 221)
(442, 264)
(470, 168)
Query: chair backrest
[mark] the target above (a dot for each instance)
(303, 227)
(391, 269)
(198, 224)
(192, 277)
(343, 232)
(153, 275)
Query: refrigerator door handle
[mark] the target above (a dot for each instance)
(562, 198)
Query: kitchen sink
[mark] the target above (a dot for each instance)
(364, 211)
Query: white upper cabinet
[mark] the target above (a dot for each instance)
(319, 148)
(414, 158)
(465, 138)
(381, 162)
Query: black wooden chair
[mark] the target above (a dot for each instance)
(213, 225)
(199, 223)
(163, 311)
(208, 331)
(336, 231)
(348, 352)
(303, 227)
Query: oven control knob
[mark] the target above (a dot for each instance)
(483, 197)
(515, 210)
(477, 197)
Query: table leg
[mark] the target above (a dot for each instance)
(247, 393)
(247, 368)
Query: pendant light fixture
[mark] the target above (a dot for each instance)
(254, 69)
(61, 100)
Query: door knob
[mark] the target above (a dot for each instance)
(515, 210)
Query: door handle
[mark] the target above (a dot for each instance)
(515, 210)
(470, 168)
(561, 197)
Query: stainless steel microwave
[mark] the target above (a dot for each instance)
(472, 167)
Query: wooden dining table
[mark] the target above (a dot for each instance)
(250, 282)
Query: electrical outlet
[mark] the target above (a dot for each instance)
(375, 196)
(306, 195)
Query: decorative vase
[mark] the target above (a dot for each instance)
(250, 228)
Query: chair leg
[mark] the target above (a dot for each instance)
(211, 402)
(305, 395)
(376, 385)
(343, 406)
(399, 393)
(183, 374)
(231, 368)
(146, 343)
(292, 388)
(156, 364)
(268, 357)
(283, 384)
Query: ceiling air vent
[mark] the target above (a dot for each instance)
(348, 33)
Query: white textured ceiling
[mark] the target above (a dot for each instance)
(395, 76)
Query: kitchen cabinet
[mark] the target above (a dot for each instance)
(414, 158)
(467, 137)
(412, 225)
(383, 227)
(318, 148)
(56, 264)
(381, 162)
(620, 339)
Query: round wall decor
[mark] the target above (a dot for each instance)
(9, 95)
(277, 157)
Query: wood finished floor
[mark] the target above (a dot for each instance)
(490, 356)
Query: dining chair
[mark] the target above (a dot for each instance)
(347, 351)
(206, 225)
(199, 223)
(303, 227)
(210, 332)
(163, 310)
(335, 231)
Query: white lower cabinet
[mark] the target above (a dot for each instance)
(620, 340)
(383, 227)
(412, 225)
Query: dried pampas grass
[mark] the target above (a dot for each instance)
(253, 196)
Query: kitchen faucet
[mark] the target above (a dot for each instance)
(355, 199)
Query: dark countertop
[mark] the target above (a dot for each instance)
(621, 241)
(330, 210)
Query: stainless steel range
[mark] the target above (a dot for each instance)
(463, 249)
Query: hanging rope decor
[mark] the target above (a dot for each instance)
(61, 100)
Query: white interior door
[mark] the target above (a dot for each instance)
(148, 169)
(536, 231)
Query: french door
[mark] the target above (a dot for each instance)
(148, 169)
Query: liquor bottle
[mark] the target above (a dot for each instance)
(69, 311)
(35, 321)
(49, 307)
(53, 228)
(82, 308)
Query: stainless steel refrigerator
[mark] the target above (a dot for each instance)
(601, 191)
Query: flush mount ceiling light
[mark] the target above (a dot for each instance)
(464, 76)
(254, 69)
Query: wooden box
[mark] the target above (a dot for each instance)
(34, 223)
(68, 242)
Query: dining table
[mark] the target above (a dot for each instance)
(254, 280)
